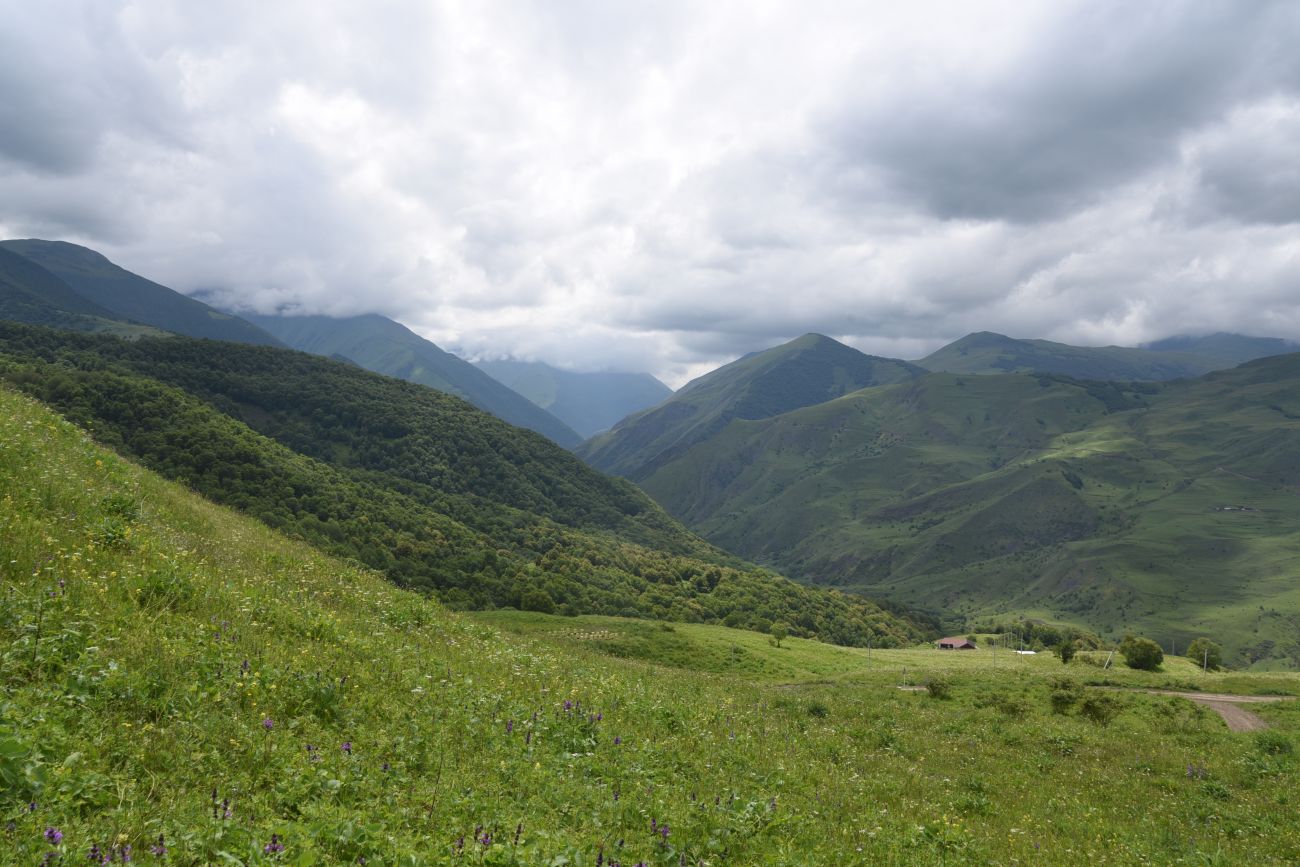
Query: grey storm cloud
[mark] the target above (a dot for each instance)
(666, 186)
(1104, 95)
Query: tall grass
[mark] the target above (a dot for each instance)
(174, 676)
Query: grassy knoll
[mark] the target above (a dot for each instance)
(172, 670)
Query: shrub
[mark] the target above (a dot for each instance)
(1273, 743)
(1065, 650)
(537, 599)
(938, 686)
(1101, 709)
(1205, 652)
(1065, 695)
(1141, 653)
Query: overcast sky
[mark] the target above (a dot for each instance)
(664, 186)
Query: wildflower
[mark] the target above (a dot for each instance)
(268, 724)
(54, 835)
(385, 767)
(347, 747)
(159, 849)
(528, 737)
(617, 740)
(510, 726)
(275, 846)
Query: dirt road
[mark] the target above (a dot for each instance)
(1227, 706)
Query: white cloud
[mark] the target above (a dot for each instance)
(664, 186)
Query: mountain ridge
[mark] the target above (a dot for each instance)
(385, 346)
(805, 371)
(92, 276)
(589, 402)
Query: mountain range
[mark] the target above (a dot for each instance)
(589, 402)
(384, 346)
(1159, 506)
(1175, 358)
(64, 285)
(1114, 488)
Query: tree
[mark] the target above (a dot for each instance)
(1141, 653)
(537, 599)
(1065, 650)
(779, 633)
(1206, 653)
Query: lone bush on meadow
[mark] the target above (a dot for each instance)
(1141, 653)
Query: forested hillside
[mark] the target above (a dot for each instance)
(432, 491)
(1163, 508)
(384, 346)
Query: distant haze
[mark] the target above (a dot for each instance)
(662, 187)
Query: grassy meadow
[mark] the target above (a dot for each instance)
(182, 684)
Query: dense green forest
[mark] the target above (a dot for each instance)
(420, 485)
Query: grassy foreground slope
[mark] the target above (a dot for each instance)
(440, 496)
(1169, 509)
(175, 675)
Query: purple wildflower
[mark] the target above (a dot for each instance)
(568, 705)
(124, 853)
(268, 724)
(510, 726)
(275, 846)
(347, 747)
(159, 849)
(95, 855)
(617, 740)
(54, 835)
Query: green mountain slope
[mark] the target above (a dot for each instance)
(806, 371)
(1223, 349)
(1172, 358)
(421, 485)
(1168, 509)
(384, 346)
(132, 297)
(587, 402)
(29, 293)
(180, 684)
